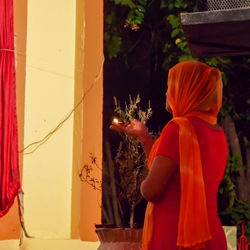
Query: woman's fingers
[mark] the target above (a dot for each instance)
(117, 127)
(135, 122)
(128, 129)
(135, 128)
(114, 128)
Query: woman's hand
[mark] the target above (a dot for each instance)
(136, 129)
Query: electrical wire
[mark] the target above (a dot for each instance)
(39, 143)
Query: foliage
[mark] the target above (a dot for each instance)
(130, 160)
(125, 18)
(236, 210)
(86, 173)
(132, 111)
(227, 187)
(135, 11)
(240, 211)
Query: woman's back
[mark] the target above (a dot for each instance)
(213, 150)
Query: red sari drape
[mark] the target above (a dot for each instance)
(9, 168)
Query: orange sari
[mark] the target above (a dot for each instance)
(194, 89)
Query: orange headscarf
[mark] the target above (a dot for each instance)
(194, 89)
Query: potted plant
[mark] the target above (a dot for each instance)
(122, 177)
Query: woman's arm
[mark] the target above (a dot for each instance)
(153, 187)
(147, 143)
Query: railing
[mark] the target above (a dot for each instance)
(242, 243)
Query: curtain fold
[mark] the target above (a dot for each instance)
(9, 166)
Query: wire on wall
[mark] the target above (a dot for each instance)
(39, 143)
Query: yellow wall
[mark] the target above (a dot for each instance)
(49, 97)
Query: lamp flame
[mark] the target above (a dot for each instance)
(115, 120)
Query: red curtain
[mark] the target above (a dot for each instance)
(9, 165)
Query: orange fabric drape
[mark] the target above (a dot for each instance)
(194, 89)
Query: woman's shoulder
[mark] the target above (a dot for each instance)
(200, 124)
(170, 130)
(170, 126)
(169, 142)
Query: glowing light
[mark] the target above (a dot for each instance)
(115, 120)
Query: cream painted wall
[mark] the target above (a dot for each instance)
(49, 97)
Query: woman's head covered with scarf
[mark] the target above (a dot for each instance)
(194, 87)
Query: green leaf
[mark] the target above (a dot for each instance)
(138, 21)
(186, 57)
(166, 47)
(224, 78)
(141, 8)
(185, 5)
(109, 18)
(182, 46)
(177, 4)
(163, 5)
(212, 62)
(106, 36)
(128, 3)
(174, 21)
(225, 110)
(170, 6)
(113, 44)
(139, 14)
(221, 191)
(167, 62)
(142, 2)
(175, 32)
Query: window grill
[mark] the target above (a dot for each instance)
(210, 5)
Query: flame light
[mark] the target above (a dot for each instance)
(115, 120)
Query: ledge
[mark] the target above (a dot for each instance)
(45, 244)
(217, 32)
(42, 244)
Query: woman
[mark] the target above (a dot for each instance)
(186, 164)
